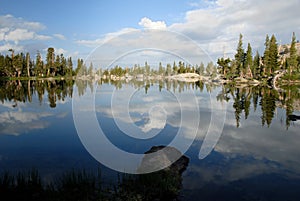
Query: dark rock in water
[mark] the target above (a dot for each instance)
(162, 185)
(168, 157)
(293, 117)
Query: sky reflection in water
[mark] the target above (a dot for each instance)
(34, 135)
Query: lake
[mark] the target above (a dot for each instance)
(242, 142)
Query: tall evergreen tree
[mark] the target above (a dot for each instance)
(56, 67)
(266, 55)
(169, 70)
(201, 69)
(249, 61)
(239, 56)
(80, 67)
(175, 68)
(147, 68)
(256, 71)
(28, 64)
(50, 60)
(273, 63)
(181, 67)
(160, 69)
(39, 66)
(69, 66)
(91, 69)
(292, 63)
(224, 66)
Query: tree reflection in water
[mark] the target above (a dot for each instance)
(263, 97)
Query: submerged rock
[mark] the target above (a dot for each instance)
(168, 157)
(162, 185)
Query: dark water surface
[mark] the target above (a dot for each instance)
(255, 158)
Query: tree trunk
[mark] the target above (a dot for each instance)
(28, 72)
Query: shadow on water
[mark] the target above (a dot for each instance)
(81, 185)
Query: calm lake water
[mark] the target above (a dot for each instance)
(256, 152)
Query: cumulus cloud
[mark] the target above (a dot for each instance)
(137, 46)
(149, 24)
(219, 25)
(215, 26)
(60, 51)
(12, 22)
(8, 46)
(106, 38)
(59, 36)
(13, 30)
(17, 122)
(161, 108)
(272, 145)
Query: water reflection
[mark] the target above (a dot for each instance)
(267, 99)
(257, 152)
(21, 91)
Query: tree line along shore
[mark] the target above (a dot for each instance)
(277, 63)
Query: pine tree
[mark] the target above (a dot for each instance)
(28, 64)
(239, 56)
(79, 69)
(63, 65)
(266, 55)
(91, 68)
(293, 55)
(175, 68)
(169, 70)
(69, 66)
(56, 67)
(39, 66)
(181, 67)
(256, 71)
(273, 64)
(249, 61)
(160, 69)
(201, 69)
(223, 66)
(147, 68)
(50, 60)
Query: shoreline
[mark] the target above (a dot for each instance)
(186, 77)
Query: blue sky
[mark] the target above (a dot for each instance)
(93, 17)
(75, 28)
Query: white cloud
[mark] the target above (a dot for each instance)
(18, 122)
(106, 38)
(90, 43)
(163, 109)
(59, 51)
(59, 36)
(194, 4)
(42, 37)
(14, 30)
(214, 25)
(19, 34)
(21, 117)
(3, 33)
(7, 46)
(149, 24)
(221, 24)
(157, 119)
(135, 46)
(273, 146)
(12, 22)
